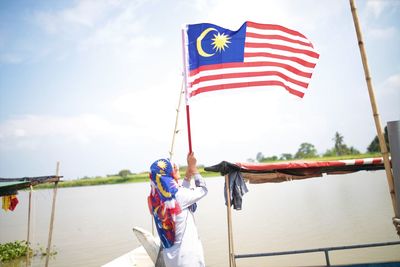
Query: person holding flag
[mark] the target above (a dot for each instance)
(255, 56)
(173, 206)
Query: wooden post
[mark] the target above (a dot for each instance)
(52, 216)
(152, 224)
(382, 142)
(232, 262)
(29, 226)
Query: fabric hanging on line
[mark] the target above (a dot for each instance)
(238, 188)
(10, 202)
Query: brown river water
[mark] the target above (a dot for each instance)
(93, 225)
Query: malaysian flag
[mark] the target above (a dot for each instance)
(257, 55)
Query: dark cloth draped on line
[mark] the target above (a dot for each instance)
(238, 188)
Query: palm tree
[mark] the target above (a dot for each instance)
(340, 147)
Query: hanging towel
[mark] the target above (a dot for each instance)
(238, 188)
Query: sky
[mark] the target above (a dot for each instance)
(95, 84)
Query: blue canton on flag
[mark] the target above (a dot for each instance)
(210, 44)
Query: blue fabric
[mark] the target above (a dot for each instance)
(232, 52)
(162, 203)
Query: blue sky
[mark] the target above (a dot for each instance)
(95, 84)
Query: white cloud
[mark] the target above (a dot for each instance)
(83, 14)
(382, 33)
(388, 95)
(20, 132)
(393, 81)
(112, 25)
(288, 13)
(376, 8)
(148, 113)
(391, 86)
(34, 128)
(123, 37)
(11, 58)
(145, 107)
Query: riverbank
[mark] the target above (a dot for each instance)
(114, 179)
(144, 176)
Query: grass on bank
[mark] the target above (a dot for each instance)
(144, 176)
(114, 179)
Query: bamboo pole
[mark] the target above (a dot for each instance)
(29, 226)
(152, 224)
(52, 215)
(382, 143)
(171, 152)
(232, 262)
(182, 91)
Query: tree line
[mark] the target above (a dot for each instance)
(308, 150)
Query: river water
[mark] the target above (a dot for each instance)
(93, 225)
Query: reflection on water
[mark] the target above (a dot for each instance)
(94, 224)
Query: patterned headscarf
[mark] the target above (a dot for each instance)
(162, 203)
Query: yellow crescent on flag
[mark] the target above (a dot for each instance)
(198, 43)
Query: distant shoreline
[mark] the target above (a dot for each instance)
(115, 179)
(144, 176)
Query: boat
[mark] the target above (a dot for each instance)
(145, 255)
(276, 172)
(256, 173)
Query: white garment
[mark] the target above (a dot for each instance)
(187, 250)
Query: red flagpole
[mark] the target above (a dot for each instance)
(188, 127)
(186, 93)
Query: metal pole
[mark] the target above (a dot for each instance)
(382, 143)
(393, 128)
(328, 263)
(52, 216)
(232, 261)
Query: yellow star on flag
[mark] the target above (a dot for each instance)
(220, 41)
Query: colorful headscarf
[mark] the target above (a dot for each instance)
(162, 203)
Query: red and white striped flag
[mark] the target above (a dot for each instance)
(257, 55)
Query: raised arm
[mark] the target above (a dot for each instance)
(187, 196)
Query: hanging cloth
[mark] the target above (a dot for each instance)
(10, 202)
(162, 203)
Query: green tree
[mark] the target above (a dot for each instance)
(286, 156)
(259, 157)
(374, 145)
(124, 173)
(306, 150)
(353, 151)
(340, 147)
(330, 153)
(271, 158)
